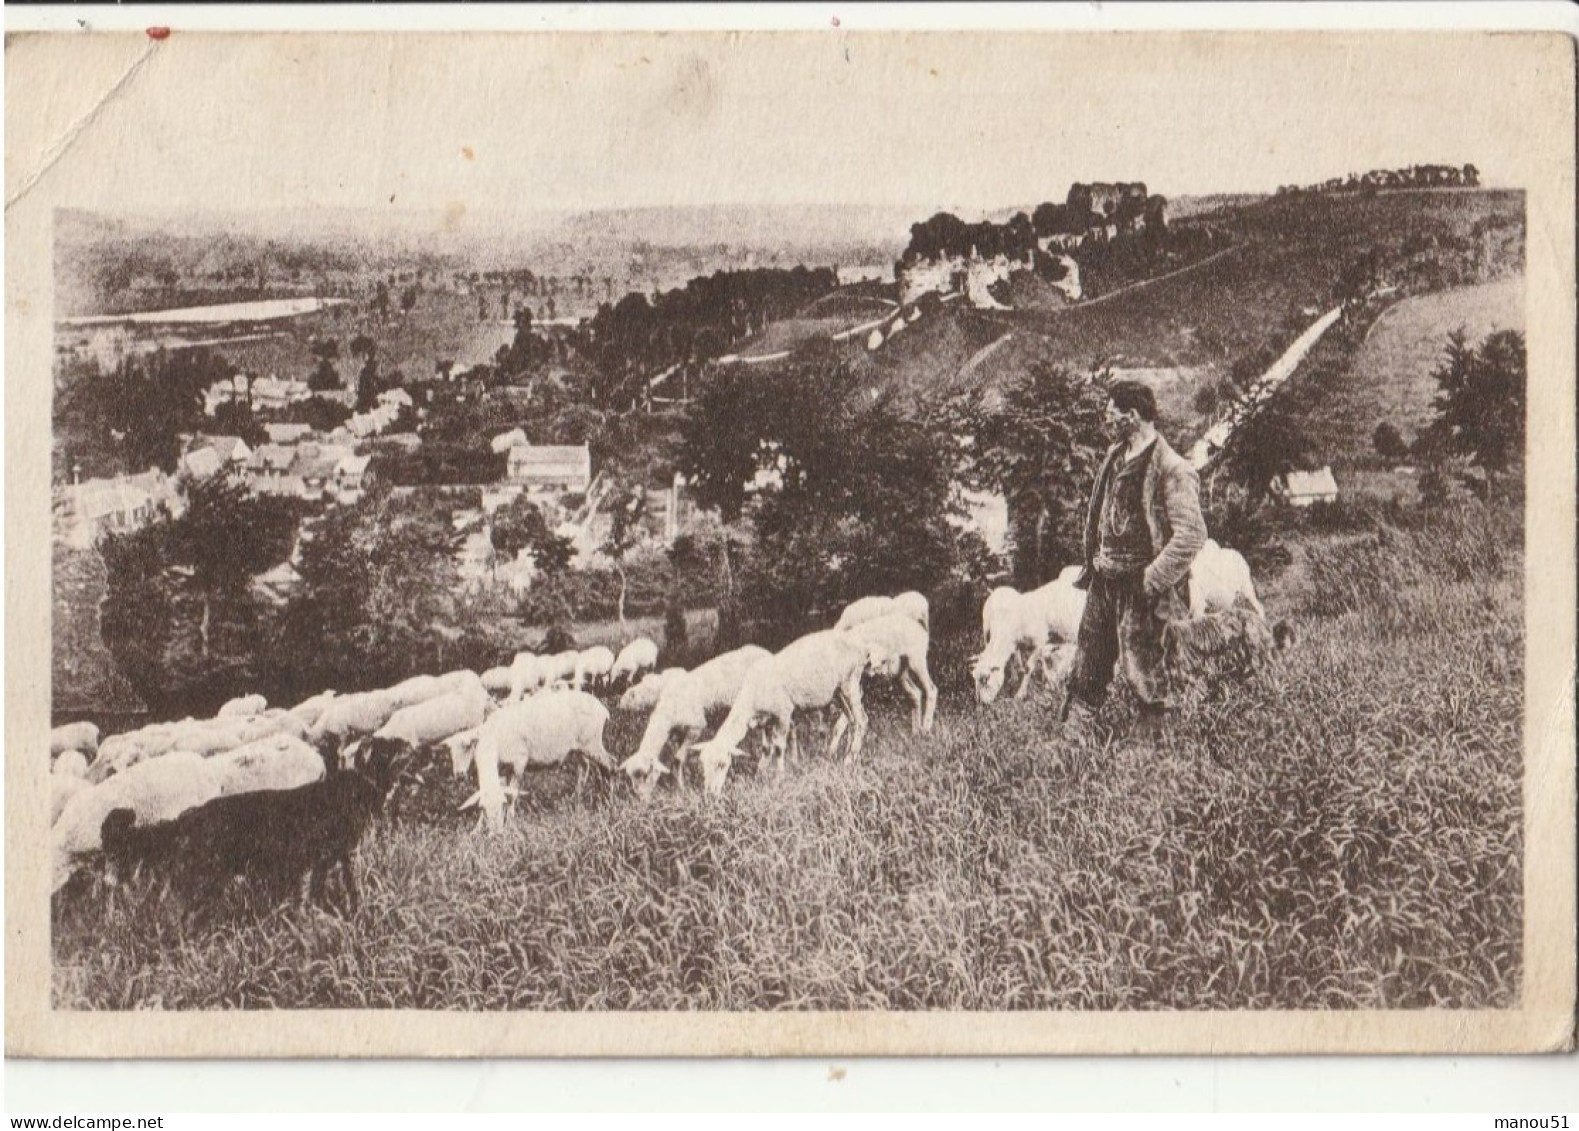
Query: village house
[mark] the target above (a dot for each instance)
(287, 433)
(208, 455)
(350, 476)
(116, 505)
(550, 468)
(1303, 488)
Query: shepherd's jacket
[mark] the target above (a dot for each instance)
(1171, 498)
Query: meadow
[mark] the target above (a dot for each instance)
(1345, 832)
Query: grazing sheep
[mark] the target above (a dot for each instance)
(560, 666)
(273, 838)
(71, 764)
(683, 702)
(593, 666)
(74, 736)
(243, 706)
(193, 736)
(497, 680)
(528, 672)
(409, 692)
(911, 604)
(308, 710)
(154, 791)
(637, 657)
(463, 681)
(351, 716)
(903, 644)
(815, 671)
(540, 731)
(1014, 624)
(643, 696)
(1219, 577)
(462, 748)
(280, 761)
(433, 721)
(62, 788)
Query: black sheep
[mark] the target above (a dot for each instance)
(273, 838)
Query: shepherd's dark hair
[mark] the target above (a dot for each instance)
(1127, 395)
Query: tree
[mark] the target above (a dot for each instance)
(1270, 444)
(137, 615)
(1389, 442)
(519, 525)
(408, 300)
(222, 539)
(381, 301)
(626, 504)
(325, 375)
(1039, 445)
(1480, 399)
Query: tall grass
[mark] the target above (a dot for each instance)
(1346, 834)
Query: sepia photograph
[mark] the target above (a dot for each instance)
(780, 542)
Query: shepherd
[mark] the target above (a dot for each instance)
(1143, 530)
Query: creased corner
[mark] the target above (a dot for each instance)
(69, 138)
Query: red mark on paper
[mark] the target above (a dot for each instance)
(834, 21)
(158, 33)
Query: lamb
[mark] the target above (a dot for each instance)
(540, 731)
(274, 838)
(158, 790)
(815, 671)
(243, 706)
(683, 702)
(643, 696)
(904, 646)
(911, 604)
(1013, 623)
(74, 736)
(640, 655)
(593, 666)
(280, 761)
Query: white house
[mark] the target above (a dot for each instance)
(1302, 488)
(550, 467)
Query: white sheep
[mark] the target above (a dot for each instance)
(1217, 577)
(815, 671)
(157, 790)
(527, 672)
(280, 761)
(352, 716)
(194, 736)
(559, 666)
(640, 655)
(74, 736)
(593, 666)
(911, 604)
(684, 700)
(413, 690)
(540, 731)
(1014, 623)
(643, 695)
(242, 706)
(904, 645)
(71, 764)
(497, 680)
(62, 788)
(309, 709)
(432, 721)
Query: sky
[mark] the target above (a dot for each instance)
(467, 125)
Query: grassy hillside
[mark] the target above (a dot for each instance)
(1347, 835)
(1392, 372)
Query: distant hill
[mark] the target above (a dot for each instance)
(1290, 258)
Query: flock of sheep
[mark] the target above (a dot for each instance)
(281, 795)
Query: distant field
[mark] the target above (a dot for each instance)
(1392, 374)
